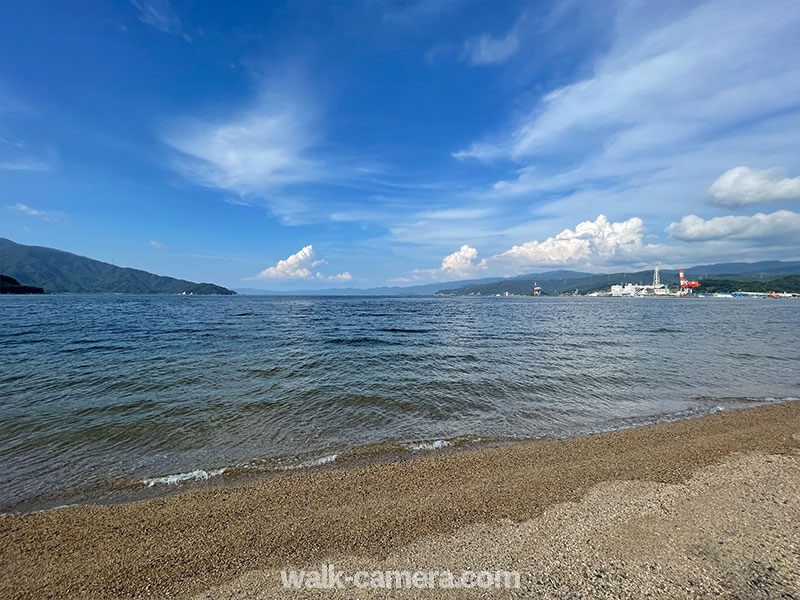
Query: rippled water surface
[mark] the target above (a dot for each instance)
(102, 393)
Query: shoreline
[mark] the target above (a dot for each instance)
(186, 543)
(165, 484)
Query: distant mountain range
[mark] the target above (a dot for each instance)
(557, 282)
(57, 271)
(427, 289)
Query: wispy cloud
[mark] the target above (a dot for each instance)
(275, 152)
(487, 50)
(16, 156)
(24, 164)
(456, 213)
(260, 149)
(158, 245)
(158, 14)
(741, 185)
(661, 110)
(299, 266)
(409, 13)
(253, 153)
(47, 215)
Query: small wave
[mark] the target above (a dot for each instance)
(401, 330)
(81, 349)
(355, 340)
(733, 400)
(434, 445)
(322, 460)
(197, 475)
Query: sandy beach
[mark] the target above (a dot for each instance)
(706, 507)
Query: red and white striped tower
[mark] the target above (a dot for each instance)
(686, 286)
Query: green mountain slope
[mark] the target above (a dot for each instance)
(58, 271)
(739, 273)
(788, 283)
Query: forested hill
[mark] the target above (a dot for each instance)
(57, 271)
(564, 283)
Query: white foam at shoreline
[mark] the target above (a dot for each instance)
(197, 475)
(434, 445)
(323, 460)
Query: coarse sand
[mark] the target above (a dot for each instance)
(705, 507)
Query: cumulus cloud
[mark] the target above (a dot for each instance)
(298, 266)
(292, 267)
(591, 242)
(741, 185)
(460, 262)
(158, 245)
(487, 50)
(458, 265)
(770, 228)
(344, 276)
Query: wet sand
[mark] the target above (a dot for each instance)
(694, 508)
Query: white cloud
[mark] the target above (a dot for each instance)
(47, 215)
(298, 266)
(742, 185)
(782, 225)
(595, 242)
(255, 152)
(15, 154)
(590, 244)
(408, 13)
(458, 265)
(24, 165)
(487, 50)
(707, 83)
(676, 82)
(158, 14)
(480, 151)
(456, 213)
(292, 267)
(345, 276)
(158, 245)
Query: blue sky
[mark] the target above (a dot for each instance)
(310, 144)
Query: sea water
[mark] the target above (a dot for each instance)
(101, 396)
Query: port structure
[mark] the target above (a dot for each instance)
(687, 286)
